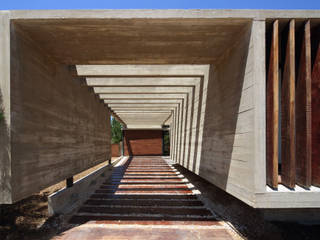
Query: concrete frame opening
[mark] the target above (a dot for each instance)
(201, 72)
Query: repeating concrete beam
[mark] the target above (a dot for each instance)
(187, 70)
(141, 105)
(142, 101)
(168, 120)
(142, 81)
(141, 89)
(142, 109)
(144, 118)
(181, 70)
(142, 126)
(142, 96)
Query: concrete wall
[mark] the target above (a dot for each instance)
(5, 152)
(142, 142)
(227, 155)
(58, 127)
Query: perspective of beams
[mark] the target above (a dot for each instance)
(150, 96)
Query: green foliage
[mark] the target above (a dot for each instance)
(1, 115)
(116, 134)
(166, 142)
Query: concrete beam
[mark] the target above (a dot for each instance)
(142, 101)
(141, 105)
(142, 81)
(142, 96)
(163, 14)
(186, 70)
(141, 89)
(5, 111)
(141, 111)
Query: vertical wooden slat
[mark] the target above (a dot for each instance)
(288, 112)
(303, 112)
(273, 109)
(316, 112)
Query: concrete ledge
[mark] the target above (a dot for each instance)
(67, 199)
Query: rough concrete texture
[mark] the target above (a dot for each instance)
(58, 127)
(217, 127)
(229, 122)
(67, 199)
(5, 121)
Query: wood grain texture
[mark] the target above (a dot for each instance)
(288, 111)
(316, 112)
(273, 109)
(303, 112)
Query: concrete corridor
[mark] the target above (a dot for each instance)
(146, 198)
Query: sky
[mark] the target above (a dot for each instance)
(159, 4)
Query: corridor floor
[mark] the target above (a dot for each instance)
(146, 198)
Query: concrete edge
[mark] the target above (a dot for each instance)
(67, 199)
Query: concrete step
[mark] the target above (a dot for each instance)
(150, 202)
(80, 219)
(172, 211)
(141, 196)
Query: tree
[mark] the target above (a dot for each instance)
(116, 134)
(1, 115)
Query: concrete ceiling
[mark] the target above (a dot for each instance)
(133, 41)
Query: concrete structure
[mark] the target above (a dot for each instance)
(203, 72)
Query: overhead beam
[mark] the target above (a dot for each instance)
(141, 111)
(142, 81)
(142, 101)
(187, 70)
(142, 105)
(142, 96)
(141, 89)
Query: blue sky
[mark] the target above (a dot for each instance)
(159, 4)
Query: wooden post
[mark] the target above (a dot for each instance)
(316, 110)
(303, 112)
(288, 112)
(273, 109)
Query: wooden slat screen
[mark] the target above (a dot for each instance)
(293, 109)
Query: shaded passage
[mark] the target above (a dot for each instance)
(146, 196)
